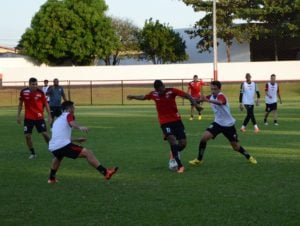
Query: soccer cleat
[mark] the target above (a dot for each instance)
(256, 130)
(196, 162)
(199, 117)
(252, 160)
(110, 173)
(266, 123)
(180, 170)
(243, 129)
(191, 118)
(32, 156)
(276, 124)
(52, 181)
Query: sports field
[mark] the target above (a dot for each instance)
(225, 190)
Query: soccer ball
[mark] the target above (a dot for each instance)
(173, 164)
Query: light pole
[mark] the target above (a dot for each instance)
(215, 46)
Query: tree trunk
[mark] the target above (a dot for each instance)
(275, 49)
(228, 54)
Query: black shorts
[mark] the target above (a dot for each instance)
(55, 111)
(174, 128)
(271, 107)
(71, 151)
(40, 126)
(228, 131)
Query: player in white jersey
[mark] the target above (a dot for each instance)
(61, 144)
(272, 92)
(224, 123)
(247, 92)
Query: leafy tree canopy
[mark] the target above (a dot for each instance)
(161, 44)
(76, 32)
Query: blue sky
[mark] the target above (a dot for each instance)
(16, 15)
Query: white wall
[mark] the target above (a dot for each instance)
(260, 71)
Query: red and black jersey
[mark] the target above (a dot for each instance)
(166, 105)
(34, 102)
(195, 88)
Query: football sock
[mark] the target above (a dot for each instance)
(52, 174)
(265, 120)
(102, 169)
(275, 121)
(202, 147)
(244, 152)
(32, 151)
(175, 149)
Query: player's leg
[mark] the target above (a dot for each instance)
(231, 134)
(252, 117)
(267, 112)
(192, 112)
(42, 128)
(210, 133)
(175, 149)
(28, 126)
(93, 161)
(54, 168)
(246, 120)
(275, 114)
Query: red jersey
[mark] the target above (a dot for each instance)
(34, 102)
(195, 88)
(166, 105)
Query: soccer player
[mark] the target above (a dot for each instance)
(224, 123)
(272, 92)
(195, 90)
(61, 144)
(55, 93)
(247, 93)
(34, 100)
(168, 116)
(45, 89)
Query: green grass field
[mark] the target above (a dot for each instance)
(225, 190)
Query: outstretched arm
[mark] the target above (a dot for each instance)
(136, 97)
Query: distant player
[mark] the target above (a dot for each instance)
(247, 92)
(55, 93)
(45, 89)
(168, 116)
(272, 92)
(224, 123)
(61, 144)
(34, 101)
(195, 90)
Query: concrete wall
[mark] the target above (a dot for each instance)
(260, 71)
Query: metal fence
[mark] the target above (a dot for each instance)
(110, 92)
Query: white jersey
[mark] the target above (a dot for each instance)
(61, 131)
(248, 90)
(222, 112)
(45, 89)
(272, 90)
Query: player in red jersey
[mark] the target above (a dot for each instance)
(35, 101)
(195, 89)
(168, 116)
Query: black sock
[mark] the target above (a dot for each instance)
(202, 147)
(244, 152)
(32, 151)
(265, 120)
(275, 121)
(52, 174)
(175, 149)
(102, 169)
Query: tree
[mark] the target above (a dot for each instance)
(226, 28)
(161, 44)
(272, 19)
(73, 32)
(127, 34)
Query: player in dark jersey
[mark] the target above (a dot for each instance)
(168, 116)
(34, 101)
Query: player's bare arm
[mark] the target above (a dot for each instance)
(75, 125)
(193, 102)
(136, 97)
(19, 111)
